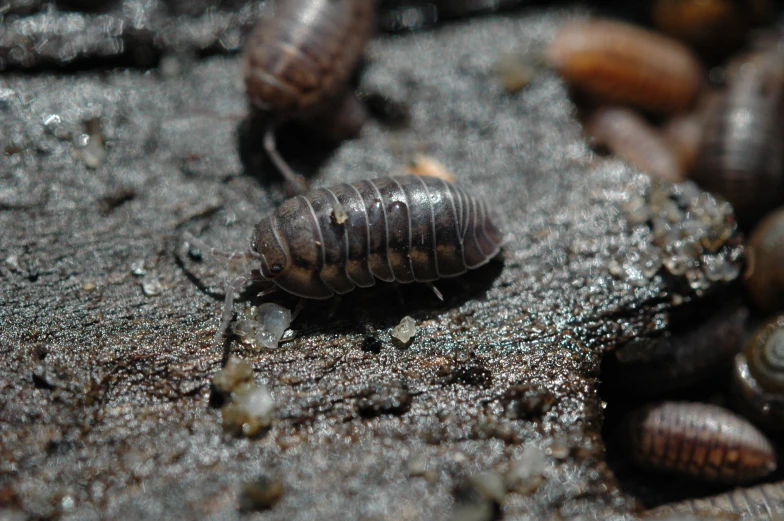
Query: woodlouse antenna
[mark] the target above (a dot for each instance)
(194, 241)
(295, 183)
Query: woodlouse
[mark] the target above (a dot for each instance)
(741, 155)
(403, 229)
(655, 366)
(297, 64)
(628, 135)
(711, 27)
(699, 440)
(761, 502)
(765, 273)
(620, 63)
(758, 376)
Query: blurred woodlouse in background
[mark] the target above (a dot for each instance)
(765, 271)
(618, 63)
(655, 366)
(713, 28)
(758, 377)
(740, 155)
(699, 440)
(627, 134)
(395, 229)
(297, 65)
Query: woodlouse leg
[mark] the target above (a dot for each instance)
(334, 307)
(435, 290)
(298, 309)
(295, 183)
(228, 308)
(268, 291)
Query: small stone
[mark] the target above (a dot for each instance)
(418, 466)
(235, 372)
(273, 321)
(137, 269)
(514, 71)
(89, 286)
(426, 166)
(558, 449)
(526, 473)
(152, 287)
(262, 493)
(339, 215)
(405, 330)
(250, 411)
(490, 484)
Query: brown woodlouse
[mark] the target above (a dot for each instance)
(711, 27)
(740, 155)
(623, 64)
(765, 272)
(761, 502)
(699, 440)
(628, 135)
(297, 64)
(758, 376)
(403, 229)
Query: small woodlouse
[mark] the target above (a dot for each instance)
(403, 229)
(628, 135)
(765, 272)
(699, 440)
(298, 61)
(620, 63)
(741, 155)
(758, 376)
(761, 502)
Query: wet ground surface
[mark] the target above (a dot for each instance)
(107, 320)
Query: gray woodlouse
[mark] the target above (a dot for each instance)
(297, 64)
(762, 502)
(332, 240)
(740, 155)
(699, 440)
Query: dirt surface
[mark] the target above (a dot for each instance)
(105, 357)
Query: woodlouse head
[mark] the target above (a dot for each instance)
(758, 376)
(273, 255)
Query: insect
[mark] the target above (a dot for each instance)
(699, 440)
(620, 63)
(740, 155)
(758, 376)
(402, 229)
(761, 502)
(297, 63)
(628, 135)
(765, 276)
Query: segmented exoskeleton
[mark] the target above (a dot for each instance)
(403, 229)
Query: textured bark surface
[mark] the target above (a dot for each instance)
(104, 386)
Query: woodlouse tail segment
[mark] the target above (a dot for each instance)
(296, 184)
